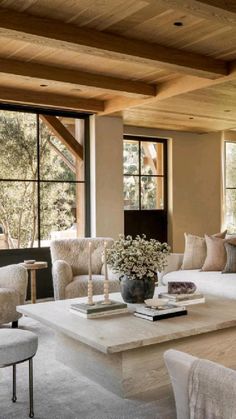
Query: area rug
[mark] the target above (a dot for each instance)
(60, 393)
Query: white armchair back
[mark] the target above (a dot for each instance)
(70, 259)
(76, 253)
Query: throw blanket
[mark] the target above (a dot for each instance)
(212, 391)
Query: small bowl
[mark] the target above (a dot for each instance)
(29, 261)
(156, 302)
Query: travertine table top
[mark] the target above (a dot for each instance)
(123, 332)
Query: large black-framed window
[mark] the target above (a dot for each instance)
(230, 186)
(145, 173)
(44, 188)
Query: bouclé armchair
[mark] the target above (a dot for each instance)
(70, 267)
(13, 286)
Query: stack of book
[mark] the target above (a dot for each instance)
(184, 299)
(154, 314)
(98, 309)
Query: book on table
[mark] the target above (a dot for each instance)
(98, 309)
(98, 314)
(165, 312)
(184, 299)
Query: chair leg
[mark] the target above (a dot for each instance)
(31, 397)
(14, 324)
(14, 398)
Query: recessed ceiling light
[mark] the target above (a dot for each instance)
(178, 23)
(76, 90)
(43, 85)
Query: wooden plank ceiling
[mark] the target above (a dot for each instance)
(158, 63)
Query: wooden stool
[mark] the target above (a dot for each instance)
(18, 346)
(33, 267)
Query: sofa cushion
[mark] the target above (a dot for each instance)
(79, 286)
(213, 283)
(195, 251)
(216, 254)
(230, 266)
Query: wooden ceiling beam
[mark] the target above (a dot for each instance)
(52, 33)
(221, 11)
(165, 90)
(67, 162)
(13, 95)
(60, 131)
(76, 78)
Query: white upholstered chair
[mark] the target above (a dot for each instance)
(178, 365)
(17, 346)
(70, 267)
(215, 392)
(13, 287)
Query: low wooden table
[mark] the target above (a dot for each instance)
(33, 267)
(125, 353)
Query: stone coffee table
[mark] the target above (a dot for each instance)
(124, 354)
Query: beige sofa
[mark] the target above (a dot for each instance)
(13, 287)
(70, 267)
(212, 283)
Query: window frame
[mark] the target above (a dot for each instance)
(86, 182)
(224, 182)
(140, 139)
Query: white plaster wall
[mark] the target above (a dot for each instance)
(195, 182)
(106, 149)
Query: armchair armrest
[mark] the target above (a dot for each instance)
(174, 262)
(15, 277)
(179, 365)
(62, 275)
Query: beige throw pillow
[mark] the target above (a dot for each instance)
(216, 254)
(216, 259)
(195, 251)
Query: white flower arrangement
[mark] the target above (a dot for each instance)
(138, 258)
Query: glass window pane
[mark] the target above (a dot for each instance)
(230, 213)
(61, 211)
(18, 215)
(57, 162)
(230, 165)
(131, 157)
(152, 192)
(131, 192)
(18, 145)
(152, 158)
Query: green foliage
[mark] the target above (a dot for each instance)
(148, 186)
(19, 199)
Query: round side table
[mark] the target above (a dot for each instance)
(32, 268)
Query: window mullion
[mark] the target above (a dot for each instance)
(38, 178)
(139, 173)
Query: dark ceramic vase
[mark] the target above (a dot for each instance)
(135, 291)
